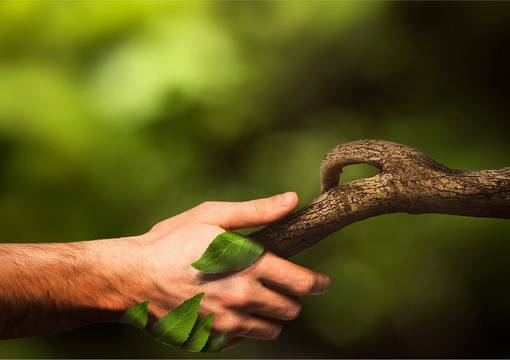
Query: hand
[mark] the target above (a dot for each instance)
(249, 303)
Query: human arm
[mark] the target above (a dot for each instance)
(47, 288)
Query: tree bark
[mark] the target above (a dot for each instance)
(408, 181)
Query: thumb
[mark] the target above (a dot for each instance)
(235, 215)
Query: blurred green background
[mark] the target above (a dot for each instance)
(115, 115)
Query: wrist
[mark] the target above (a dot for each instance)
(113, 284)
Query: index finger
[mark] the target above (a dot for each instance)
(292, 278)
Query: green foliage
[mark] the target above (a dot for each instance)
(175, 327)
(217, 342)
(137, 315)
(110, 121)
(178, 327)
(228, 252)
(200, 334)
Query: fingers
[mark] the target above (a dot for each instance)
(272, 304)
(253, 298)
(234, 215)
(239, 325)
(289, 277)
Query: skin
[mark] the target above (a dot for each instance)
(49, 288)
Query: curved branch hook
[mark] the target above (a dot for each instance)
(408, 181)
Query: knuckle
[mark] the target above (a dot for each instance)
(229, 324)
(156, 227)
(306, 284)
(162, 225)
(293, 311)
(259, 208)
(241, 296)
(206, 205)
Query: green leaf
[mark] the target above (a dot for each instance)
(228, 252)
(200, 334)
(216, 343)
(136, 315)
(175, 327)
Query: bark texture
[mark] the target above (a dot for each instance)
(408, 181)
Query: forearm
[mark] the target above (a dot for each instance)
(48, 288)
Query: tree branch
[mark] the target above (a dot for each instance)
(408, 181)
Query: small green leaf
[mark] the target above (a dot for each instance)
(216, 343)
(137, 315)
(200, 334)
(175, 327)
(228, 252)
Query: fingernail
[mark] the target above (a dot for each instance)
(321, 286)
(286, 199)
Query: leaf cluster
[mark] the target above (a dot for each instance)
(179, 327)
